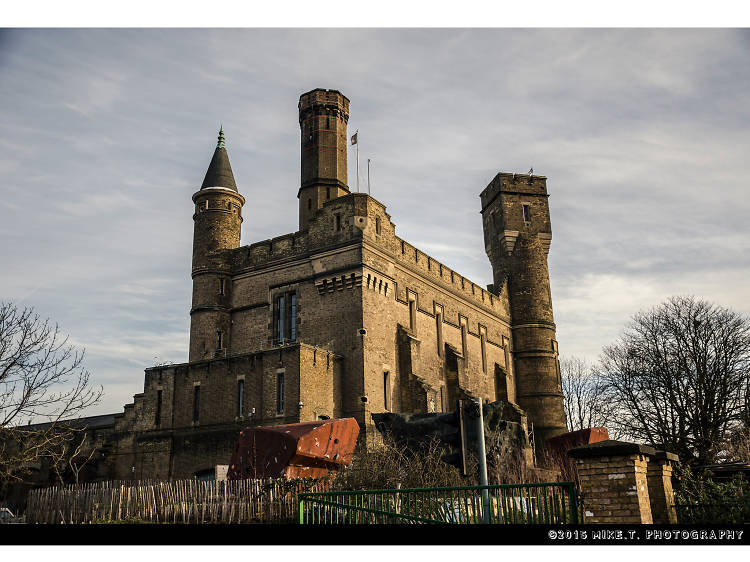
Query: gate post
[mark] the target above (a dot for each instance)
(660, 487)
(613, 480)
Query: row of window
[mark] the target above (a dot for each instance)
(240, 399)
(203, 206)
(439, 330)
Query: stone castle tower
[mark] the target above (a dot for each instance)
(323, 115)
(217, 222)
(517, 236)
(343, 318)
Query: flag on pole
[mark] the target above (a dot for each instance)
(354, 138)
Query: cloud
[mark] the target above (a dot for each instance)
(642, 133)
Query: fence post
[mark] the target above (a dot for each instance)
(301, 506)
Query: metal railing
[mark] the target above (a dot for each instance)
(546, 503)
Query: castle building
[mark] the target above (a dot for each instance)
(343, 318)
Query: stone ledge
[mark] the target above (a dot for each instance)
(611, 448)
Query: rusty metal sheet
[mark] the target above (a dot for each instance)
(561, 443)
(299, 450)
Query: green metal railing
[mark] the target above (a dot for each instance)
(548, 503)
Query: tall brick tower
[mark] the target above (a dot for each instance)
(517, 236)
(217, 218)
(323, 115)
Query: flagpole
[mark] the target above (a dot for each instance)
(368, 176)
(357, 135)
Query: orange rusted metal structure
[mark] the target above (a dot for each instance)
(297, 450)
(561, 443)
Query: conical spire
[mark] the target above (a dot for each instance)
(219, 172)
(221, 138)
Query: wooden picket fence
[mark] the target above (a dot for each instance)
(180, 501)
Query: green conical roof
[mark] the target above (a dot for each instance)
(219, 172)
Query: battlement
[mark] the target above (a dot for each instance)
(513, 183)
(323, 101)
(430, 268)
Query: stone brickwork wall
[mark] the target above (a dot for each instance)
(174, 445)
(613, 479)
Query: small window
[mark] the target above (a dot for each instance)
(196, 402)
(377, 225)
(328, 192)
(412, 314)
(158, 408)
(222, 286)
(219, 340)
(229, 205)
(526, 213)
(387, 390)
(338, 223)
(280, 393)
(241, 397)
(309, 204)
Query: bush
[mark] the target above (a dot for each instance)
(700, 499)
(391, 465)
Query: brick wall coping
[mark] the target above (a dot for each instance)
(666, 455)
(611, 448)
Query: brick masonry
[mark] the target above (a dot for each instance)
(379, 324)
(625, 483)
(661, 494)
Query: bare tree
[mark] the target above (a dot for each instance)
(42, 379)
(584, 392)
(679, 377)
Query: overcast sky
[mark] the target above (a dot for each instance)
(106, 134)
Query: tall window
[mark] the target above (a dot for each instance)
(387, 390)
(241, 397)
(158, 408)
(196, 402)
(282, 318)
(222, 286)
(328, 192)
(526, 212)
(338, 222)
(464, 349)
(219, 340)
(285, 318)
(412, 314)
(293, 316)
(377, 225)
(439, 328)
(280, 392)
(483, 342)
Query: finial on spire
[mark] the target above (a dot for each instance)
(221, 138)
